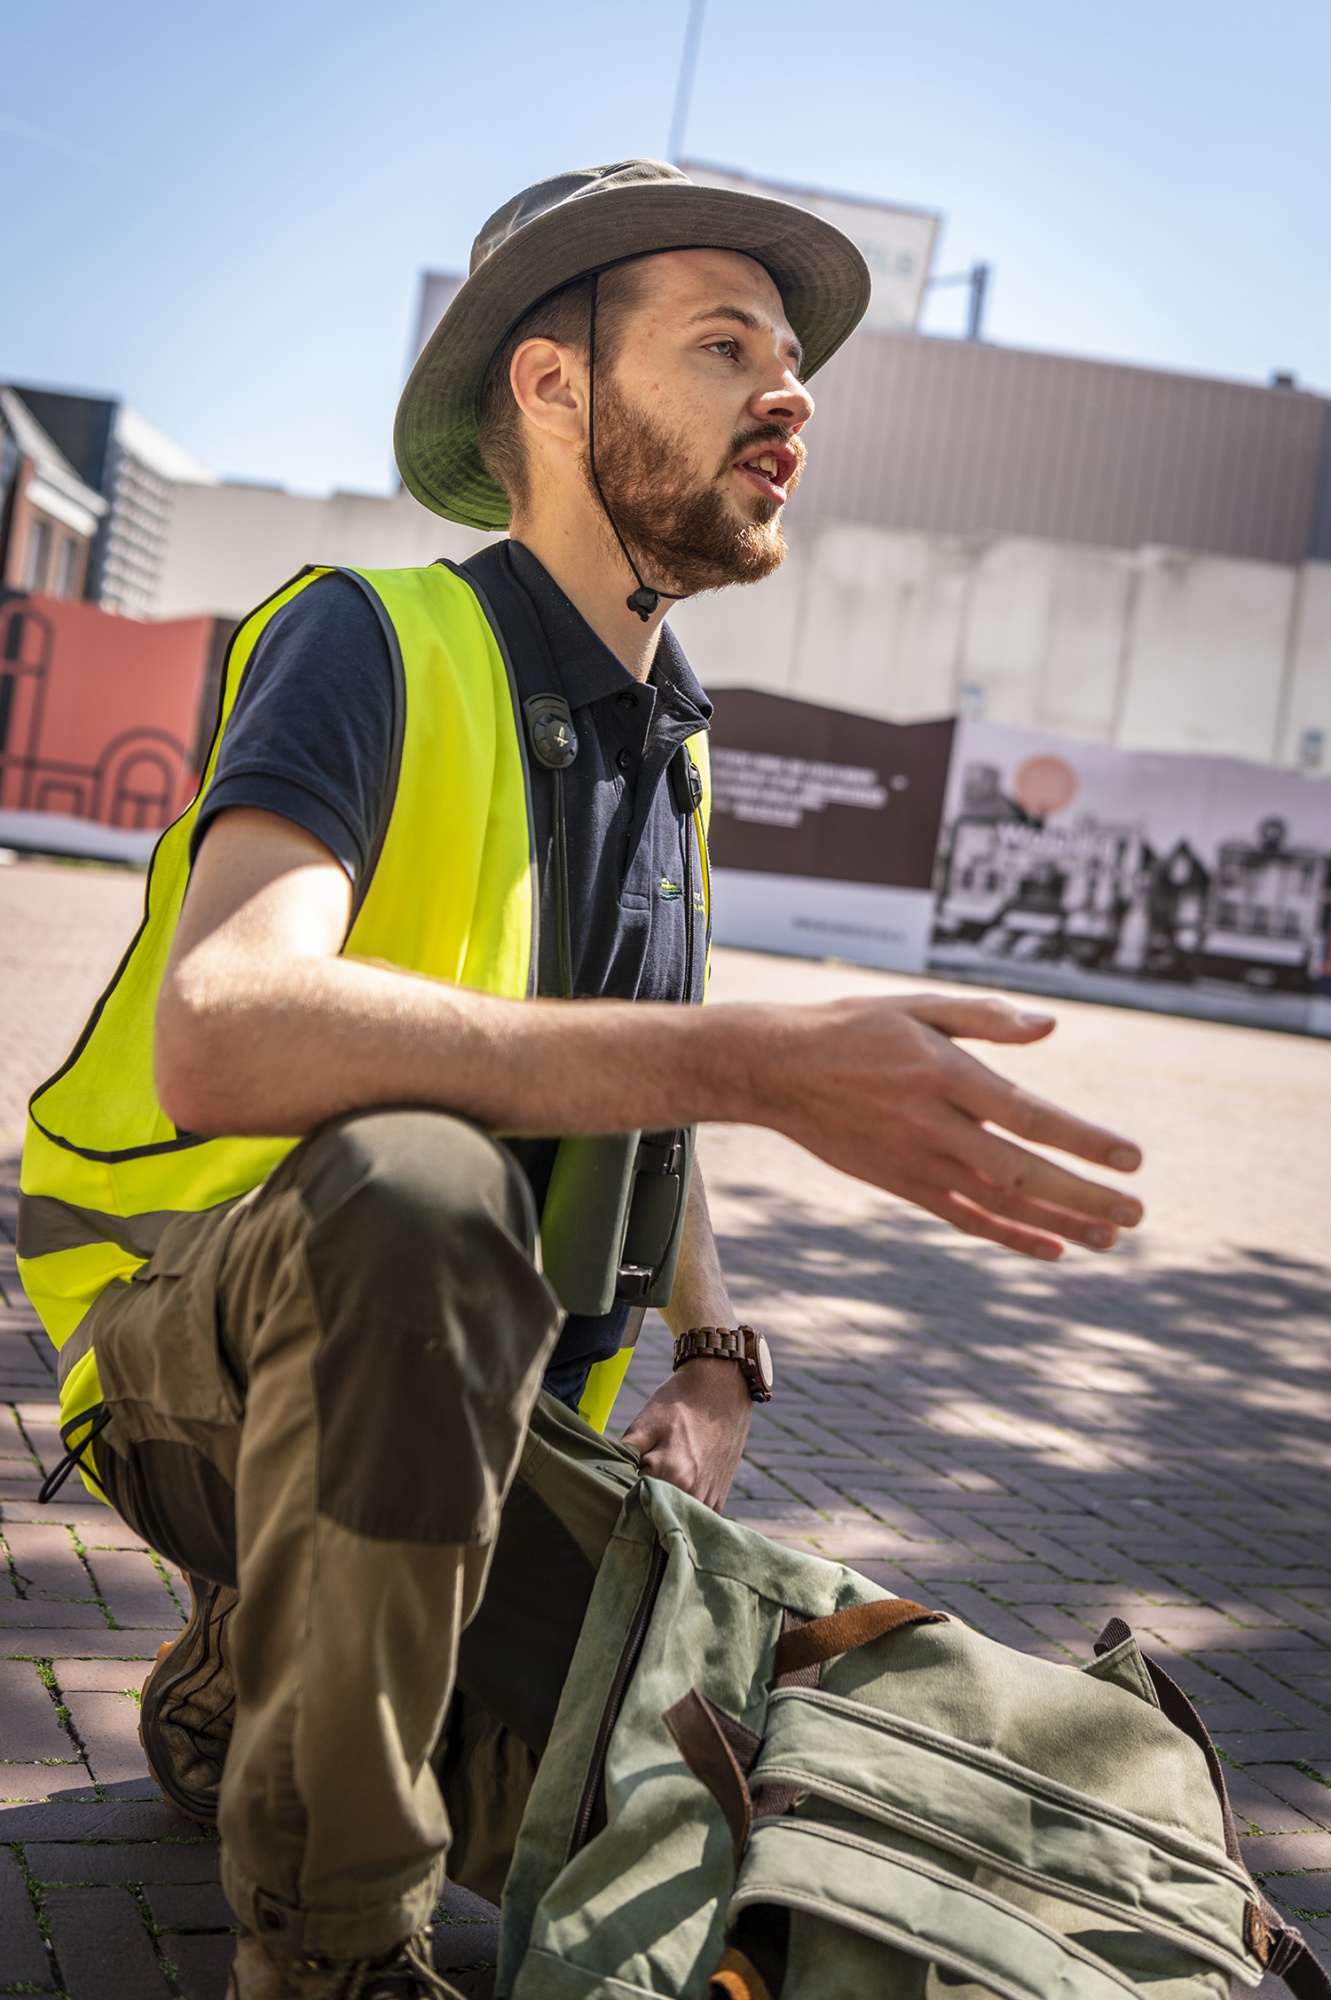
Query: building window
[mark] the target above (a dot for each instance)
(39, 554)
(67, 568)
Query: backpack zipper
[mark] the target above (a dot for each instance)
(614, 1701)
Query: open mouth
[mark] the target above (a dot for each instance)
(769, 467)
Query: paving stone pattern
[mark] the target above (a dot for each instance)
(1035, 1449)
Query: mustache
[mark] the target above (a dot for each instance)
(756, 434)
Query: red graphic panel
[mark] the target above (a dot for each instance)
(98, 714)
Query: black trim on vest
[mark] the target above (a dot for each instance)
(394, 770)
(183, 1140)
(520, 725)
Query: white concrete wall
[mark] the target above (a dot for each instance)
(232, 546)
(1146, 649)
(1307, 704)
(1207, 655)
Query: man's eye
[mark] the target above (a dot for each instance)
(725, 347)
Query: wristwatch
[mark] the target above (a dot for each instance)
(741, 1344)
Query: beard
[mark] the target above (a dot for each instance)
(685, 534)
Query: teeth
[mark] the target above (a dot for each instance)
(767, 464)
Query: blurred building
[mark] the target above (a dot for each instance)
(438, 291)
(958, 437)
(1121, 555)
(171, 540)
(231, 545)
(897, 243)
(138, 471)
(49, 516)
(1129, 556)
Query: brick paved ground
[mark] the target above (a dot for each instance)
(1033, 1448)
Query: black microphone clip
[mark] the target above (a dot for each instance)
(643, 601)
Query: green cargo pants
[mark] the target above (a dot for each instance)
(321, 1393)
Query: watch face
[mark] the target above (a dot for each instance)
(761, 1356)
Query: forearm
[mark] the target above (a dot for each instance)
(692, 1431)
(284, 1047)
(699, 1296)
(263, 1026)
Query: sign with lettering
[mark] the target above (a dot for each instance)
(1187, 883)
(824, 828)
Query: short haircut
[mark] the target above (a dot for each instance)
(563, 316)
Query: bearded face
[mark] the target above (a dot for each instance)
(686, 532)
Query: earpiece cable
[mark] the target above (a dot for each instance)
(644, 599)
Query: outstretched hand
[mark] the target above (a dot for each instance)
(879, 1089)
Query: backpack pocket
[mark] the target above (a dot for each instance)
(876, 1854)
(916, 1792)
(912, 1908)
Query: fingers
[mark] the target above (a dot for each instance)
(1016, 1172)
(973, 1220)
(986, 1019)
(683, 1468)
(930, 1136)
(1044, 1217)
(992, 1099)
(643, 1438)
(989, 1097)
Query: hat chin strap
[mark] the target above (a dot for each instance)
(644, 599)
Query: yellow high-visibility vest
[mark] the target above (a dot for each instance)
(452, 893)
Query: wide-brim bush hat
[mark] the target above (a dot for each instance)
(575, 223)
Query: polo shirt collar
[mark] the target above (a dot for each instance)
(588, 670)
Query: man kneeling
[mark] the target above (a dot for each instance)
(441, 908)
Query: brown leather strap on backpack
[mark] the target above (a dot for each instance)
(720, 1750)
(804, 1646)
(1277, 1945)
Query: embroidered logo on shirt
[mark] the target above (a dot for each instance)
(670, 890)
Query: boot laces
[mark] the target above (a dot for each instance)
(408, 1974)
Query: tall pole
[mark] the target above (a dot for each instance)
(979, 283)
(688, 63)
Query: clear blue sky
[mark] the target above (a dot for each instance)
(220, 213)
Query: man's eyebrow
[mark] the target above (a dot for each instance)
(741, 316)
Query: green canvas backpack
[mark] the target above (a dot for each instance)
(768, 1780)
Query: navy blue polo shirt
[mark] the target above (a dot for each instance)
(310, 739)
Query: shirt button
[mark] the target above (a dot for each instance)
(627, 700)
(624, 759)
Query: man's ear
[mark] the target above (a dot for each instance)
(549, 383)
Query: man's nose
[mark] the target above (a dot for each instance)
(787, 402)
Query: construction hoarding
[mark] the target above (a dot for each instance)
(824, 829)
(104, 721)
(1191, 884)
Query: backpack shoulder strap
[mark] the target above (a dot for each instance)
(1279, 1945)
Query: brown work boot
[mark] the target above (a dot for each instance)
(262, 1971)
(189, 1705)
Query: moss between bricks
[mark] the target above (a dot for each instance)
(34, 1889)
(162, 1571)
(95, 1595)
